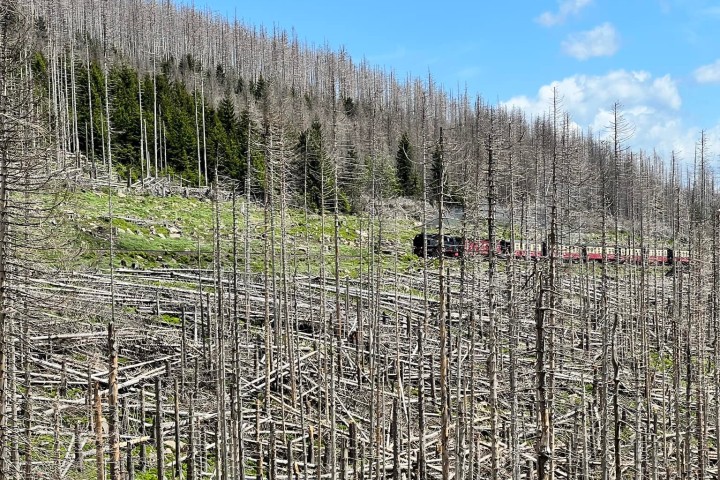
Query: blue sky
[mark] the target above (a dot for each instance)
(659, 58)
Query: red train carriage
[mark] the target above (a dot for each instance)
(657, 256)
(631, 255)
(521, 249)
(592, 254)
(532, 250)
(681, 256)
(457, 246)
(569, 253)
(480, 247)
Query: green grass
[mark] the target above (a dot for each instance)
(168, 231)
(170, 319)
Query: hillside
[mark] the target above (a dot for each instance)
(341, 383)
(220, 283)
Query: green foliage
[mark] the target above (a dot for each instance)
(177, 110)
(315, 168)
(247, 133)
(177, 107)
(220, 74)
(39, 67)
(188, 64)
(239, 86)
(661, 363)
(91, 132)
(381, 178)
(225, 136)
(349, 107)
(405, 169)
(258, 88)
(352, 178)
(437, 178)
(125, 114)
(171, 319)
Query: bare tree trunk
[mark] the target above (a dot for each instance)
(159, 439)
(98, 422)
(492, 324)
(114, 424)
(442, 322)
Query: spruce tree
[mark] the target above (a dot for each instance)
(315, 165)
(224, 140)
(405, 170)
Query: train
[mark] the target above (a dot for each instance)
(457, 246)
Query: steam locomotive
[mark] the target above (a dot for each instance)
(456, 246)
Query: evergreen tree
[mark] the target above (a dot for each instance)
(84, 100)
(316, 169)
(352, 180)
(225, 140)
(404, 168)
(226, 114)
(381, 178)
(125, 117)
(247, 133)
(258, 88)
(177, 114)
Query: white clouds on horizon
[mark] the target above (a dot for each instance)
(566, 9)
(652, 105)
(601, 41)
(708, 73)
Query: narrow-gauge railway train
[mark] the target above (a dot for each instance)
(457, 246)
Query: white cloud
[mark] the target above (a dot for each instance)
(651, 105)
(566, 8)
(601, 41)
(708, 73)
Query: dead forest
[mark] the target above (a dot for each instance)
(286, 344)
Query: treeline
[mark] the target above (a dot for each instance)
(164, 124)
(159, 124)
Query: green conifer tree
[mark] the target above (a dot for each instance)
(316, 169)
(405, 170)
(436, 170)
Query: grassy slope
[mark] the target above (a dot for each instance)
(169, 231)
